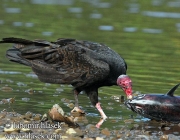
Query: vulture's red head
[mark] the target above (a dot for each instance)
(126, 84)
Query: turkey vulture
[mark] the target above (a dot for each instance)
(83, 64)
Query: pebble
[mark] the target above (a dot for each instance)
(99, 138)
(164, 137)
(70, 131)
(6, 89)
(74, 132)
(70, 105)
(30, 91)
(11, 129)
(106, 132)
(82, 132)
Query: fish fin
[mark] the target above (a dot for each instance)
(171, 91)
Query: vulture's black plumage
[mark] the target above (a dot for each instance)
(83, 64)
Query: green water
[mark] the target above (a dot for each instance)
(152, 55)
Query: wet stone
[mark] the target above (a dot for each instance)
(105, 132)
(2, 115)
(21, 84)
(37, 117)
(9, 81)
(167, 128)
(6, 89)
(70, 105)
(89, 131)
(28, 115)
(10, 129)
(99, 138)
(164, 137)
(58, 131)
(30, 91)
(25, 99)
(129, 121)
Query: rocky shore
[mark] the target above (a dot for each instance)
(36, 126)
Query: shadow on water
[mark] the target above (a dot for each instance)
(145, 33)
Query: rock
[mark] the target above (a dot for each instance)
(119, 136)
(59, 130)
(64, 137)
(106, 132)
(6, 89)
(10, 128)
(129, 121)
(57, 114)
(2, 115)
(37, 117)
(164, 137)
(88, 139)
(30, 91)
(90, 126)
(74, 132)
(99, 138)
(71, 131)
(167, 128)
(44, 118)
(79, 133)
(70, 105)
(25, 129)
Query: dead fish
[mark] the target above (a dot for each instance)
(160, 107)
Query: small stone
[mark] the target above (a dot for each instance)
(59, 130)
(37, 117)
(167, 128)
(136, 125)
(25, 130)
(2, 115)
(99, 138)
(90, 126)
(64, 137)
(105, 132)
(128, 134)
(129, 121)
(25, 99)
(179, 124)
(71, 131)
(164, 137)
(28, 115)
(88, 139)
(6, 89)
(2, 135)
(44, 118)
(30, 91)
(59, 109)
(11, 129)
(119, 136)
(79, 133)
(74, 132)
(70, 105)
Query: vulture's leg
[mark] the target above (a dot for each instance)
(76, 107)
(93, 96)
